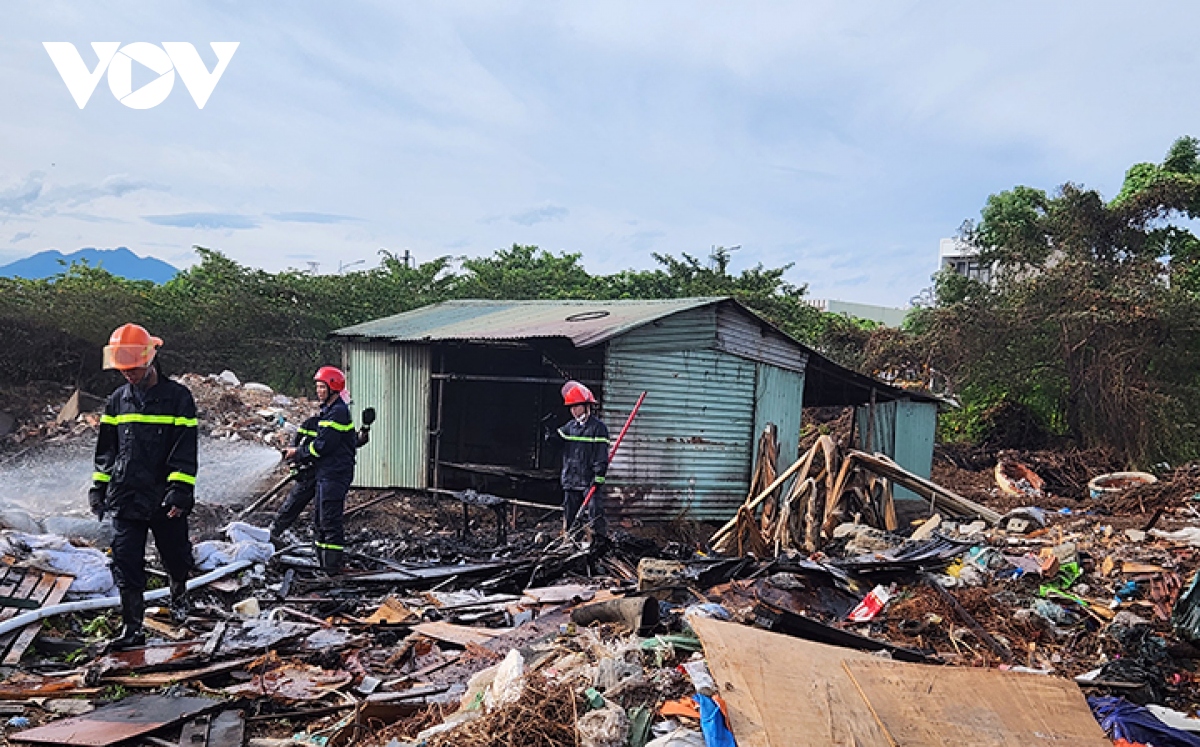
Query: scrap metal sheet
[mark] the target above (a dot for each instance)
(132, 717)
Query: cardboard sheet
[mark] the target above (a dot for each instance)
(969, 707)
(783, 691)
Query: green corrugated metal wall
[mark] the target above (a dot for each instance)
(779, 399)
(904, 431)
(395, 380)
(688, 452)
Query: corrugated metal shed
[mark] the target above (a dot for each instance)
(395, 380)
(584, 323)
(716, 373)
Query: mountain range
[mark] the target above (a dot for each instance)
(120, 261)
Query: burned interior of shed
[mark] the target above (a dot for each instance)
(492, 404)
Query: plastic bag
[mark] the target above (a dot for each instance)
(680, 737)
(604, 727)
(509, 682)
(712, 723)
(213, 554)
(1121, 719)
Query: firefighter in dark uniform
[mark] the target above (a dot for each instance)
(145, 475)
(304, 484)
(331, 452)
(584, 458)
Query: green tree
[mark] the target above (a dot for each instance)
(1091, 319)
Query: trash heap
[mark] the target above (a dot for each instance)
(228, 409)
(828, 614)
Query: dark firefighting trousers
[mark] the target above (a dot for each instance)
(129, 549)
(573, 500)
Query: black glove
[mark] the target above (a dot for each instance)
(364, 436)
(97, 500)
(180, 497)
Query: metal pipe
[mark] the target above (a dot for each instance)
(87, 605)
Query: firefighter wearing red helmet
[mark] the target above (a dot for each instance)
(585, 457)
(331, 453)
(145, 473)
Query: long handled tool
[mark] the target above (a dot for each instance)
(613, 451)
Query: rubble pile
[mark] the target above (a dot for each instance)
(228, 409)
(822, 612)
(248, 411)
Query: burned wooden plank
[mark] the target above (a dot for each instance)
(165, 679)
(34, 586)
(133, 717)
(55, 595)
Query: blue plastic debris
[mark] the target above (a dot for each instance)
(712, 723)
(1121, 719)
(18, 722)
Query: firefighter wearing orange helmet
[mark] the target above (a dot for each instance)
(145, 475)
(331, 453)
(584, 458)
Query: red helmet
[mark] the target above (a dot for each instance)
(130, 346)
(574, 393)
(333, 378)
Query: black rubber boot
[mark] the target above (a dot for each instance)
(133, 609)
(179, 605)
(331, 561)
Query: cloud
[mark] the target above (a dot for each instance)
(20, 199)
(21, 236)
(35, 197)
(91, 218)
(306, 217)
(203, 220)
(540, 215)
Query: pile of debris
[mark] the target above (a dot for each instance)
(228, 409)
(827, 612)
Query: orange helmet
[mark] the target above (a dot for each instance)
(574, 393)
(130, 346)
(333, 378)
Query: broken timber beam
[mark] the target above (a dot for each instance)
(931, 491)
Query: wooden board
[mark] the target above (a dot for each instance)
(778, 688)
(458, 634)
(58, 590)
(971, 707)
(782, 691)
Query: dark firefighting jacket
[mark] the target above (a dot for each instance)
(146, 450)
(585, 453)
(332, 449)
(305, 434)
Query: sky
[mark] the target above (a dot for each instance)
(843, 138)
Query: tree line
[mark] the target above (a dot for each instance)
(1088, 331)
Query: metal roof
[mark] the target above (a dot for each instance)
(584, 323)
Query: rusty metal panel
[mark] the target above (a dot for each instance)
(395, 380)
(688, 452)
(584, 323)
(132, 717)
(741, 332)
